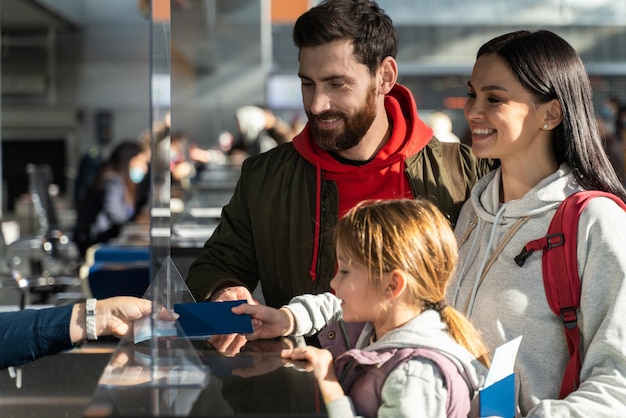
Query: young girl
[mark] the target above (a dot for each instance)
(414, 355)
(530, 107)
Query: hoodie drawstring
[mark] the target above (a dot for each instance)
(477, 280)
(403, 178)
(476, 223)
(318, 209)
(489, 259)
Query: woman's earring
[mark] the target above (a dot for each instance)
(545, 126)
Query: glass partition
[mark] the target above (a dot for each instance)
(158, 361)
(160, 116)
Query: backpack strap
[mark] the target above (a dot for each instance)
(560, 274)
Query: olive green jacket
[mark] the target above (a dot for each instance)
(262, 236)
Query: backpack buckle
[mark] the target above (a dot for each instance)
(520, 259)
(554, 240)
(569, 317)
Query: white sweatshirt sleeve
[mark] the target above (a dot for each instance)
(314, 312)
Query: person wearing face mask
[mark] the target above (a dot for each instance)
(110, 200)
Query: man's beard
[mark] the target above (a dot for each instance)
(354, 130)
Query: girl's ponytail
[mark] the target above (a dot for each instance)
(465, 334)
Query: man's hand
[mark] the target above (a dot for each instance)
(233, 293)
(265, 355)
(228, 344)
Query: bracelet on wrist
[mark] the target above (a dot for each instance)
(90, 319)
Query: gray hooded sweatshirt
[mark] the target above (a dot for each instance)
(413, 389)
(504, 300)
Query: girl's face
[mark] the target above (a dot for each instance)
(360, 299)
(504, 119)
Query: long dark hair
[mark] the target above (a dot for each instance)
(549, 68)
(118, 162)
(361, 21)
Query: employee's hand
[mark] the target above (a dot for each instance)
(267, 322)
(114, 316)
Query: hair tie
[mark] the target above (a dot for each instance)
(440, 306)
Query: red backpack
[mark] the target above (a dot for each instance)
(560, 274)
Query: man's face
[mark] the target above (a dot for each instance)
(339, 95)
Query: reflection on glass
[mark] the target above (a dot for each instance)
(172, 386)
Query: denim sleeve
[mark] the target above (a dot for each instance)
(33, 333)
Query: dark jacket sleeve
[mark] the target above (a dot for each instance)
(266, 232)
(33, 333)
(229, 256)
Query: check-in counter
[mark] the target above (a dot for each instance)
(59, 386)
(253, 382)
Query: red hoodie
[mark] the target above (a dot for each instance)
(381, 178)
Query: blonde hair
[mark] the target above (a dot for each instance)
(415, 237)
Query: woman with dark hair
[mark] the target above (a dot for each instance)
(530, 107)
(110, 201)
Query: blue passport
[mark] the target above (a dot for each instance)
(212, 318)
(498, 400)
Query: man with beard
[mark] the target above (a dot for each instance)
(363, 140)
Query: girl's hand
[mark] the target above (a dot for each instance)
(267, 322)
(321, 363)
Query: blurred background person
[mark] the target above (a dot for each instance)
(88, 167)
(619, 123)
(182, 168)
(608, 115)
(442, 127)
(110, 201)
(258, 130)
(614, 147)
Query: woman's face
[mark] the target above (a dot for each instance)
(504, 119)
(138, 167)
